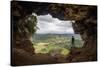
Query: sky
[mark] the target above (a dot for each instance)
(49, 25)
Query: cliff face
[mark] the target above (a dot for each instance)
(85, 18)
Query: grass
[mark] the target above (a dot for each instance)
(55, 44)
(50, 48)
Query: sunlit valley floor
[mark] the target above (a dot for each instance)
(55, 46)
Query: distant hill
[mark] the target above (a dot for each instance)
(44, 36)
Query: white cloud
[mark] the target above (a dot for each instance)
(48, 24)
(46, 18)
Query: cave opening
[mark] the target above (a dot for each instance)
(54, 36)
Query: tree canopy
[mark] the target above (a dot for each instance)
(26, 25)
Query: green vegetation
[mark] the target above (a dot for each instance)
(55, 43)
(49, 48)
(26, 25)
(31, 24)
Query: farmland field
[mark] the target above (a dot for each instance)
(55, 43)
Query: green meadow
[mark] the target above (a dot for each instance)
(55, 43)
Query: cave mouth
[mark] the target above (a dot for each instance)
(54, 36)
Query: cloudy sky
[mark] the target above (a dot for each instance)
(49, 25)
